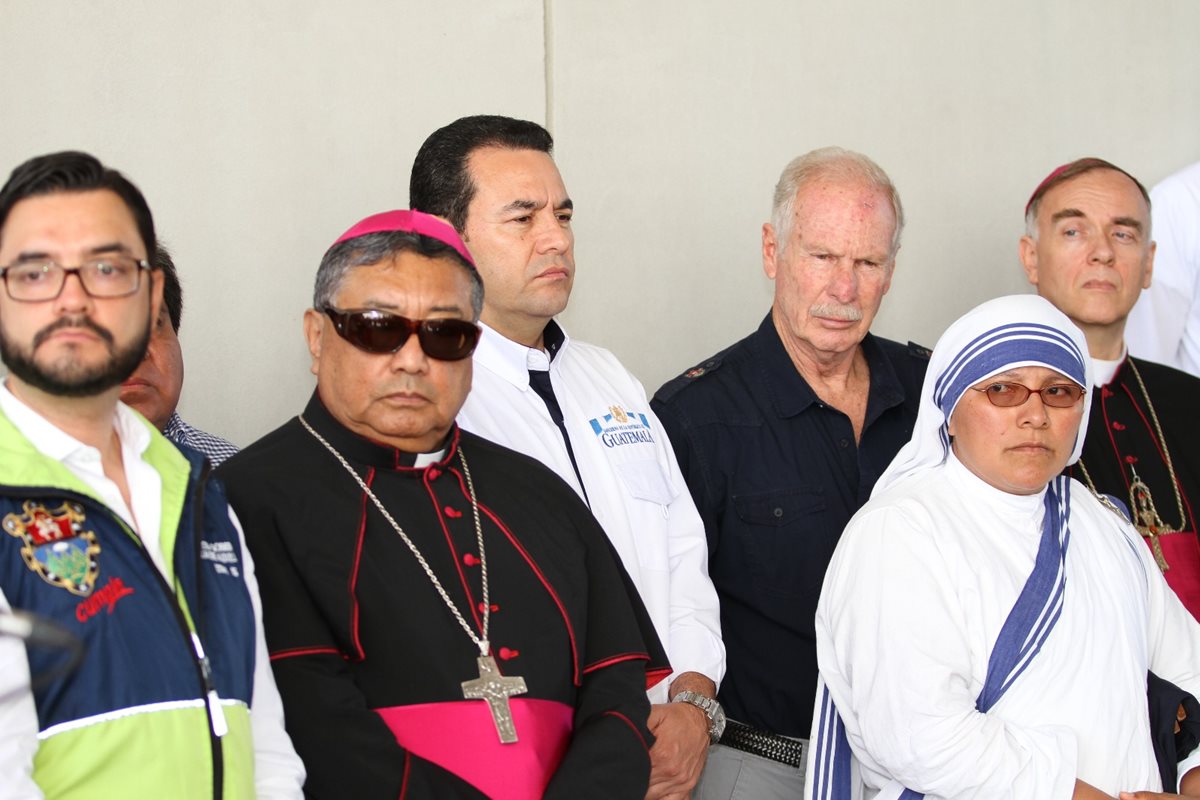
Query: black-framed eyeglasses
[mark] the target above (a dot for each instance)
(1007, 394)
(36, 280)
(375, 331)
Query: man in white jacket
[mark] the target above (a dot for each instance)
(575, 408)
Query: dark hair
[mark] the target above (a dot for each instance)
(73, 171)
(1065, 173)
(172, 291)
(371, 248)
(440, 182)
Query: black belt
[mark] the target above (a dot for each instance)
(760, 743)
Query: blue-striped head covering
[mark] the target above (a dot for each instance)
(1002, 334)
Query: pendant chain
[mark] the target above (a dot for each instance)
(1142, 504)
(1162, 440)
(480, 642)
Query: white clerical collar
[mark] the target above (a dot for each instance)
(512, 360)
(1104, 371)
(425, 459)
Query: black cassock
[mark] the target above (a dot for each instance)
(370, 661)
(1122, 440)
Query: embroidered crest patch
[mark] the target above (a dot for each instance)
(57, 547)
(622, 427)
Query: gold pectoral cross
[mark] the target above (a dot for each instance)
(496, 689)
(1146, 518)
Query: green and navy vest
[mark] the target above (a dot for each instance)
(158, 707)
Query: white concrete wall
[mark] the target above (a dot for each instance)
(675, 119)
(259, 131)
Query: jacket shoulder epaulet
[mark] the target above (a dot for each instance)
(687, 377)
(919, 351)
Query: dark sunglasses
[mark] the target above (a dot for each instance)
(1007, 394)
(375, 331)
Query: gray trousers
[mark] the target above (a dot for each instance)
(733, 775)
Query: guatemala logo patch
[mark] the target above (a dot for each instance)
(57, 547)
(621, 427)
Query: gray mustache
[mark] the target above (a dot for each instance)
(831, 311)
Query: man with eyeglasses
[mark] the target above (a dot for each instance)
(110, 531)
(154, 387)
(445, 617)
(575, 408)
(1089, 249)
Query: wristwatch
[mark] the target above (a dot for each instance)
(711, 708)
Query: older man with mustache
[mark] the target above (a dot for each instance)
(781, 438)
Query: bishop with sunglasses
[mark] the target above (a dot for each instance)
(445, 617)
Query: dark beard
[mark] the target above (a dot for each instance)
(73, 380)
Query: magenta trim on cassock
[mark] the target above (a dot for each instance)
(408, 222)
(459, 736)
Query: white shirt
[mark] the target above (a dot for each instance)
(278, 771)
(1164, 325)
(918, 589)
(631, 478)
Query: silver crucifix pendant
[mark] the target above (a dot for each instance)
(496, 689)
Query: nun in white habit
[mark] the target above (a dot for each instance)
(986, 625)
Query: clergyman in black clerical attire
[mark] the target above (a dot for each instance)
(1089, 249)
(444, 616)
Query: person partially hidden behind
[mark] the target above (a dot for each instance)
(1164, 325)
(444, 615)
(987, 623)
(154, 387)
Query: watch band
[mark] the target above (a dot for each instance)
(711, 708)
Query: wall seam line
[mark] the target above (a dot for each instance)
(548, 63)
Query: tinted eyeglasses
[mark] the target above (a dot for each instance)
(1056, 395)
(375, 331)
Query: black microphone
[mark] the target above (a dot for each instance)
(37, 631)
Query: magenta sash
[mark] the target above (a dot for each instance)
(459, 736)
